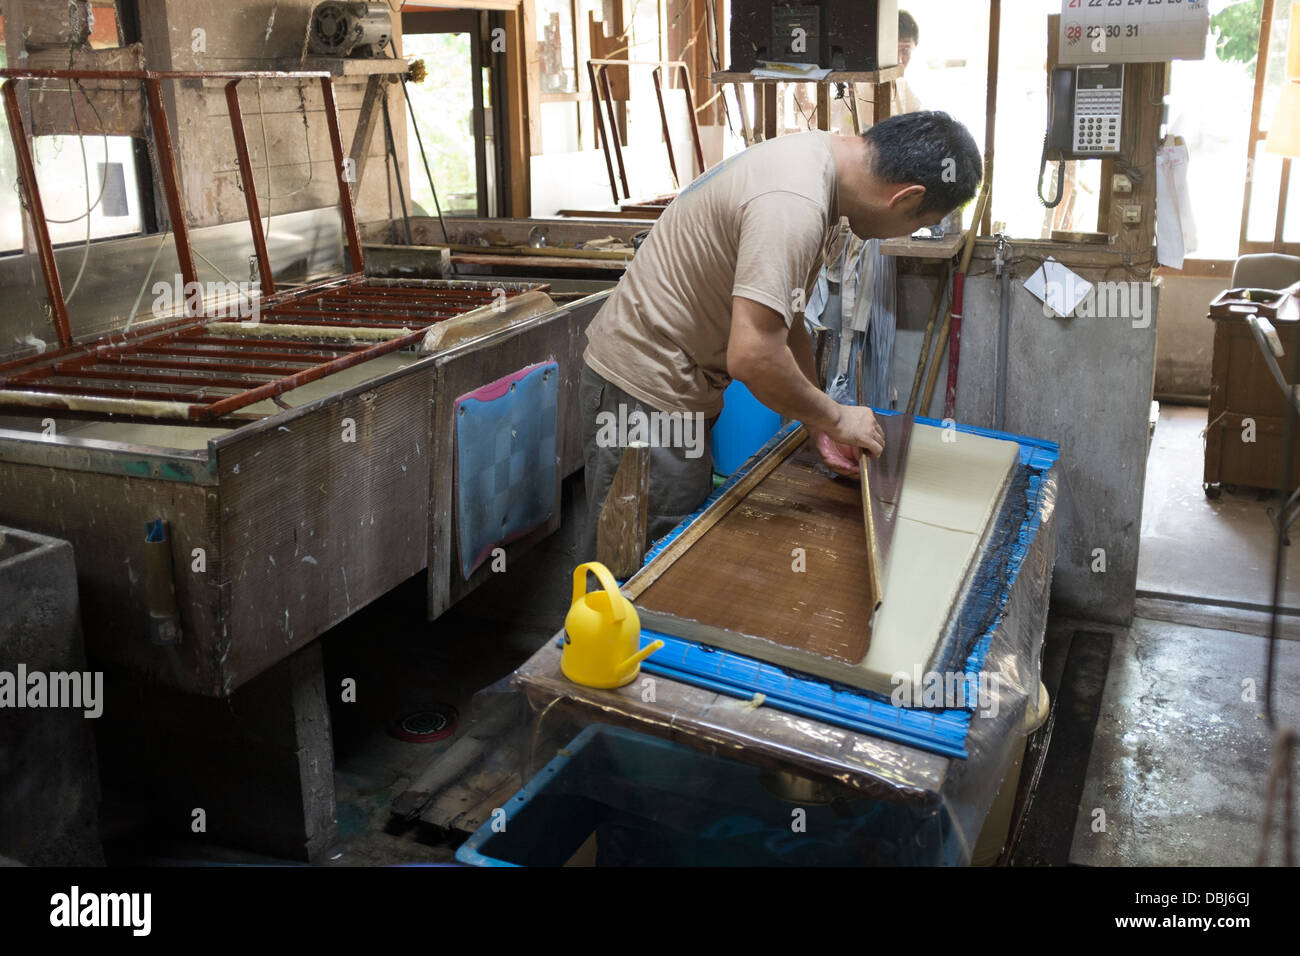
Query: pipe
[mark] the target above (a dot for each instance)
(160, 582)
(954, 307)
(1004, 330)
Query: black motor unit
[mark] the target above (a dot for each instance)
(851, 35)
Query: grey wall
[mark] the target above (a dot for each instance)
(1185, 337)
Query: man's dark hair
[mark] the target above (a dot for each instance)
(907, 28)
(931, 149)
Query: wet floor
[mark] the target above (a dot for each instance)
(1181, 749)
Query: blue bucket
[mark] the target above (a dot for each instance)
(614, 797)
(743, 428)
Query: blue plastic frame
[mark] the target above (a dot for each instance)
(940, 731)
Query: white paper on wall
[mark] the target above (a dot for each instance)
(1057, 287)
(1175, 225)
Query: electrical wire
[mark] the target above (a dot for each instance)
(85, 164)
(103, 180)
(215, 268)
(135, 306)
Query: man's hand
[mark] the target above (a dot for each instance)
(856, 428)
(777, 365)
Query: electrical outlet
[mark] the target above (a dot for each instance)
(1132, 215)
(1119, 183)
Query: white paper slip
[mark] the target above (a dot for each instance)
(1058, 288)
(789, 71)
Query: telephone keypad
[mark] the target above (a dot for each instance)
(1096, 121)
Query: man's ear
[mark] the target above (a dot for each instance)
(907, 198)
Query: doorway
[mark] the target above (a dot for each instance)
(454, 115)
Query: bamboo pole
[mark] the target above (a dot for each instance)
(967, 252)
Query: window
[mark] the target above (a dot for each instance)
(1261, 227)
(949, 71)
(1018, 139)
(556, 46)
(1209, 108)
(444, 108)
(635, 29)
(91, 185)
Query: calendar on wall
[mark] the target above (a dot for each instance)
(1132, 31)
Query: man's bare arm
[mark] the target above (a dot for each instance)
(801, 347)
(776, 364)
(839, 458)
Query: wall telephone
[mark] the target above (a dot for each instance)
(1085, 107)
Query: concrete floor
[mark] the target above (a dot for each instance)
(1201, 550)
(1181, 749)
(1179, 759)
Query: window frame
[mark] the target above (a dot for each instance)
(127, 14)
(1255, 137)
(416, 22)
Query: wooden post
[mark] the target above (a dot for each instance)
(360, 150)
(881, 103)
(769, 108)
(523, 104)
(621, 531)
(1141, 133)
(991, 111)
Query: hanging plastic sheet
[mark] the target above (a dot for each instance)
(1175, 224)
(856, 298)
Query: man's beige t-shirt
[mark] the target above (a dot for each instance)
(755, 227)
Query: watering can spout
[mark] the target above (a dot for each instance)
(640, 655)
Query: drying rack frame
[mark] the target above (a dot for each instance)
(603, 100)
(223, 366)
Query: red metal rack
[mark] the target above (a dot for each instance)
(202, 367)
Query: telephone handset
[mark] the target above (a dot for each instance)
(1085, 118)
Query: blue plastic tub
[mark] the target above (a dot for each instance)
(649, 802)
(743, 428)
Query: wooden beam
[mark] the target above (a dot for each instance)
(881, 98)
(770, 92)
(991, 109)
(15, 28)
(1106, 198)
(522, 103)
(1284, 190)
(1142, 117)
(375, 88)
(622, 528)
(1256, 108)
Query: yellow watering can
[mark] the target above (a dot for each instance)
(601, 633)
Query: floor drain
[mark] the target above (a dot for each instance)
(426, 726)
